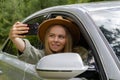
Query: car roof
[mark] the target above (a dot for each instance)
(93, 6)
(85, 7)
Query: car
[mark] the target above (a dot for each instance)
(99, 24)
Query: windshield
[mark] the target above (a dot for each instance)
(109, 23)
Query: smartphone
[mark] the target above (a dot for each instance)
(33, 29)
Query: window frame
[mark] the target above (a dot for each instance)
(84, 31)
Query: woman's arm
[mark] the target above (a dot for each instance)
(16, 36)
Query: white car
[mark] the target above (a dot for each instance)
(99, 25)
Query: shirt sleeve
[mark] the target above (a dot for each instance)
(30, 53)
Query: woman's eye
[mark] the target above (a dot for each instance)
(51, 35)
(61, 37)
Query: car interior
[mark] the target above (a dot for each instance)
(93, 71)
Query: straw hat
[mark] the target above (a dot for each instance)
(72, 28)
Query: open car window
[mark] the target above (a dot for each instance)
(11, 49)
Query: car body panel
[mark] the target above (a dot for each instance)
(11, 65)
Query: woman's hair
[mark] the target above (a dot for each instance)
(68, 45)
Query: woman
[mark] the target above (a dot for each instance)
(57, 34)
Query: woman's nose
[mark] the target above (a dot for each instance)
(56, 39)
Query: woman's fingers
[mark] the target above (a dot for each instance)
(18, 30)
(20, 26)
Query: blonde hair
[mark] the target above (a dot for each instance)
(68, 46)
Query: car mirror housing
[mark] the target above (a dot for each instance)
(60, 66)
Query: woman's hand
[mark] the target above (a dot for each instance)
(16, 33)
(18, 30)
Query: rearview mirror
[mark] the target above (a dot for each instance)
(60, 66)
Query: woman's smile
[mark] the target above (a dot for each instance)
(57, 38)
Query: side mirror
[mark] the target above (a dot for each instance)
(60, 66)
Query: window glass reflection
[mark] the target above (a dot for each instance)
(109, 23)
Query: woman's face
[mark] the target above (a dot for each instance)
(57, 38)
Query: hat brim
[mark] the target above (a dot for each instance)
(72, 28)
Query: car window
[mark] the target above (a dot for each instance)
(11, 49)
(109, 23)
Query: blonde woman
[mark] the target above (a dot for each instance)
(57, 34)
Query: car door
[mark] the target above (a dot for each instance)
(14, 69)
(11, 68)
